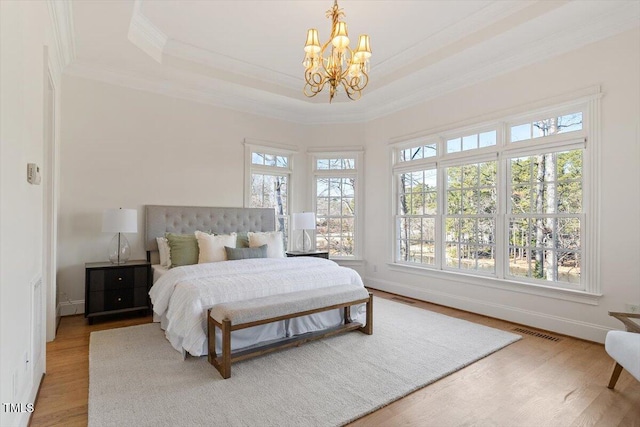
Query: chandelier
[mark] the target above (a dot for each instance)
(341, 65)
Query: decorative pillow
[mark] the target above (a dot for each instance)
(242, 240)
(165, 252)
(183, 249)
(273, 240)
(212, 247)
(246, 253)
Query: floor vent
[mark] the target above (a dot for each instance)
(536, 334)
(407, 301)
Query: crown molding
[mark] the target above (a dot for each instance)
(485, 17)
(236, 99)
(63, 34)
(142, 33)
(151, 40)
(216, 60)
(617, 21)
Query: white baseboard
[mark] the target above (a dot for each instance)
(69, 308)
(565, 326)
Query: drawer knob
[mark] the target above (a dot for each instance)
(119, 299)
(119, 278)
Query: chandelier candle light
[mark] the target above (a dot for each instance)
(341, 66)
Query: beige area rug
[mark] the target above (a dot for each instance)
(138, 379)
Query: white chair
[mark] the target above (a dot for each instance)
(624, 347)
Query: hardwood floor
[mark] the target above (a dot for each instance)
(533, 382)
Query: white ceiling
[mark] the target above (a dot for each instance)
(247, 55)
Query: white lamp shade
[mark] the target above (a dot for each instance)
(120, 221)
(304, 221)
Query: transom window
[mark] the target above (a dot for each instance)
(472, 142)
(484, 206)
(335, 164)
(546, 127)
(266, 159)
(418, 152)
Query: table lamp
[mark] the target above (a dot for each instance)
(119, 221)
(305, 221)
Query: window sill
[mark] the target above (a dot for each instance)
(508, 285)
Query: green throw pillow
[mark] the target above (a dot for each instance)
(184, 249)
(242, 240)
(246, 253)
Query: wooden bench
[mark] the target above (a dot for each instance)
(237, 315)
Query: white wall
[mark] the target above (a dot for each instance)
(24, 32)
(128, 148)
(612, 63)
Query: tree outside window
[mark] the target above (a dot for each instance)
(336, 204)
(541, 219)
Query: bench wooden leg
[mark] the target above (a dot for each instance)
(226, 349)
(347, 315)
(368, 328)
(211, 338)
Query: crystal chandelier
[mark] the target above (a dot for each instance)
(341, 66)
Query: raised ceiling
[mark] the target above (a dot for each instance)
(247, 55)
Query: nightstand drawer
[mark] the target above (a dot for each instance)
(110, 300)
(118, 278)
(118, 299)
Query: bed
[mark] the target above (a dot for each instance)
(182, 295)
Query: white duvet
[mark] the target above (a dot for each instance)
(183, 294)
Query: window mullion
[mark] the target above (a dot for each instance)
(502, 224)
(440, 228)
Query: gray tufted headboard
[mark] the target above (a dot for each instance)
(187, 219)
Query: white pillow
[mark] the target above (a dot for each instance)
(273, 240)
(165, 252)
(212, 247)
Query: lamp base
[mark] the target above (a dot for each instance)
(303, 242)
(119, 249)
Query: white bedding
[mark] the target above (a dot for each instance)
(158, 271)
(182, 295)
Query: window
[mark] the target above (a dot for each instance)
(336, 188)
(470, 218)
(545, 216)
(269, 177)
(417, 217)
(510, 208)
(417, 153)
(471, 142)
(546, 127)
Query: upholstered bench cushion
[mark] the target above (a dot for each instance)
(624, 348)
(257, 309)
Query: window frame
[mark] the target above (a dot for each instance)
(263, 147)
(356, 153)
(589, 289)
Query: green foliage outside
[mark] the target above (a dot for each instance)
(544, 210)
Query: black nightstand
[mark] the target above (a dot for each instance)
(317, 254)
(111, 288)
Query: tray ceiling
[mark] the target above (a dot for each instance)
(247, 55)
